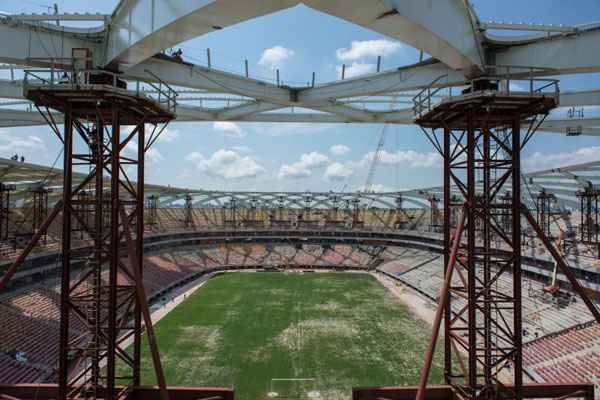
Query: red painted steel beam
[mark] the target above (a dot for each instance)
(446, 392)
(37, 235)
(32, 243)
(143, 304)
(48, 391)
(441, 306)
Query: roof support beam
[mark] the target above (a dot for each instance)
(12, 118)
(142, 28)
(560, 54)
(403, 79)
(29, 44)
(197, 77)
(245, 110)
(580, 98)
(446, 31)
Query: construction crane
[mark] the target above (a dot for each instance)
(375, 162)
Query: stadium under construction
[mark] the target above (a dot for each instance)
(91, 253)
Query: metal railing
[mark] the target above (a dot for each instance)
(508, 80)
(422, 101)
(66, 75)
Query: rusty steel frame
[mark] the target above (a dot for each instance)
(488, 327)
(4, 211)
(45, 391)
(447, 392)
(91, 287)
(92, 277)
(39, 208)
(450, 262)
(97, 286)
(483, 334)
(544, 211)
(589, 227)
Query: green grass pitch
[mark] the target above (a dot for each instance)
(243, 329)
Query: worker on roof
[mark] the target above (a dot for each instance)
(178, 55)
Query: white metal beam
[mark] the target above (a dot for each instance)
(12, 118)
(448, 31)
(580, 98)
(526, 27)
(23, 43)
(197, 77)
(11, 89)
(246, 109)
(560, 54)
(142, 28)
(445, 29)
(60, 17)
(403, 79)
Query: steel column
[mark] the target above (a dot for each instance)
(4, 210)
(447, 247)
(63, 361)
(481, 153)
(139, 251)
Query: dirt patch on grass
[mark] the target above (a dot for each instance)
(328, 306)
(297, 336)
(205, 336)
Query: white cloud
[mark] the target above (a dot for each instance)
(242, 149)
(152, 155)
(339, 172)
(367, 48)
(27, 145)
(194, 156)
(290, 129)
(293, 171)
(226, 164)
(302, 168)
(274, 57)
(228, 128)
(339, 149)
(168, 135)
(409, 158)
(314, 159)
(540, 161)
(357, 68)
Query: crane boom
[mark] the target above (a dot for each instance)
(375, 161)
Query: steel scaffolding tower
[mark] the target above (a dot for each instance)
(481, 135)
(39, 209)
(4, 210)
(589, 227)
(101, 288)
(544, 211)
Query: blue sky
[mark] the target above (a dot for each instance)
(249, 156)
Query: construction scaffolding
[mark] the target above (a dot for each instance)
(102, 288)
(4, 210)
(479, 135)
(589, 227)
(39, 209)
